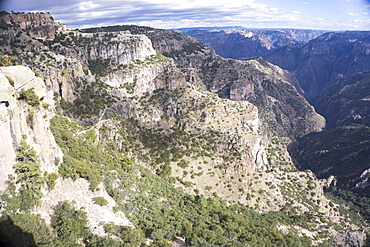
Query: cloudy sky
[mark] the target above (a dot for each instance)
(309, 14)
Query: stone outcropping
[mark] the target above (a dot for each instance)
(40, 25)
(19, 120)
(254, 80)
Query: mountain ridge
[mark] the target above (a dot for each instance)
(146, 147)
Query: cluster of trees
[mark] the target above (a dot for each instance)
(6, 60)
(161, 211)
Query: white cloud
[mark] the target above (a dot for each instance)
(179, 13)
(358, 14)
(84, 6)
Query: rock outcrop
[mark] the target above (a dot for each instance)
(40, 25)
(196, 120)
(21, 121)
(254, 80)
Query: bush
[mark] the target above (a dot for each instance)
(69, 223)
(6, 60)
(29, 96)
(29, 176)
(100, 201)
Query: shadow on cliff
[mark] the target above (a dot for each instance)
(13, 236)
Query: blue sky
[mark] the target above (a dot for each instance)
(308, 14)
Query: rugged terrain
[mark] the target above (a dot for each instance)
(343, 149)
(248, 43)
(329, 57)
(326, 69)
(124, 135)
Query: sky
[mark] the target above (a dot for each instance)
(168, 14)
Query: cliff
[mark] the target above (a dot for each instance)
(324, 59)
(26, 117)
(345, 143)
(255, 80)
(166, 141)
(39, 25)
(246, 43)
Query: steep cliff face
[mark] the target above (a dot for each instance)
(23, 117)
(343, 148)
(246, 43)
(78, 61)
(255, 80)
(39, 25)
(217, 128)
(19, 119)
(346, 101)
(324, 59)
(122, 48)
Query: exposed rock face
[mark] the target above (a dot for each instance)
(324, 59)
(147, 78)
(245, 43)
(345, 143)
(346, 101)
(125, 108)
(127, 63)
(19, 120)
(235, 142)
(352, 239)
(40, 25)
(124, 48)
(24, 78)
(255, 80)
(78, 193)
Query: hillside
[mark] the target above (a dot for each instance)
(248, 43)
(128, 135)
(325, 59)
(343, 149)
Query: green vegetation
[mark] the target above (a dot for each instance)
(132, 28)
(334, 151)
(358, 205)
(99, 66)
(6, 60)
(100, 201)
(91, 100)
(160, 210)
(129, 236)
(69, 223)
(29, 178)
(29, 96)
(21, 229)
(82, 158)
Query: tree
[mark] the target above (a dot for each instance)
(69, 223)
(29, 176)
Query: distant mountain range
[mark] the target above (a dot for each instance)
(332, 70)
(242, 43)
(129, 135)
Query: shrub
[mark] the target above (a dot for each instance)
(29, 176)
(6, 60)
(50, 180)
(69, 223)
(29, 96)
(100, 201)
